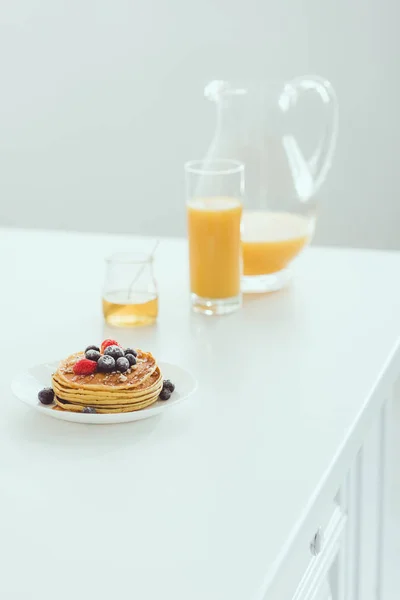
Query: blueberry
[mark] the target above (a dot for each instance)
(92, 348)
(114, 351)
(92, 354)
(165, 394)
(168, 385)
(106, 364)
(131, 358)
(130, 351)
(122, 364)
(89, 409)
(46, 396)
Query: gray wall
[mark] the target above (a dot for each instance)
(101, 103)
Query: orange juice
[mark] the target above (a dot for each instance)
(271, 240)
(214, 246)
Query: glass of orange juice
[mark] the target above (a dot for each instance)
(215, 191)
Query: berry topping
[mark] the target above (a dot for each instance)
(46, 396)
(165, 394)
(122, 364)
(84, 367)
(107, 343)
(106, 364)
(131, 359)
(114, 351)
(92, 354)
(130, 351)
(92, 348)
(168, 385)
(89, 409)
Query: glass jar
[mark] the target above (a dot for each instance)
(130, 296)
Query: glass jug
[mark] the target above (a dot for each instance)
(257, 124)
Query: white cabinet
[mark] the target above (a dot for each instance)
(345, 560)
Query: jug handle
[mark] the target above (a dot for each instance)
(321, 160)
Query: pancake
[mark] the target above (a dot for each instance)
(145, 366)
(74, 407)
(137, 388)
(106, 396)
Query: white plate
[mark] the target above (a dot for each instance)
(27, 385)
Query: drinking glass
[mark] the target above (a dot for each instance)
(130, 295)
(214, 197)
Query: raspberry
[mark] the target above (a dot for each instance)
(84, 367)
(107, 343)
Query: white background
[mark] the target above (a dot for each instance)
(101, 103)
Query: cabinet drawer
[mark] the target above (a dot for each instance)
(310, 556)
(317, 571)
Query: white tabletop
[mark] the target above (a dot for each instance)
(199, 502)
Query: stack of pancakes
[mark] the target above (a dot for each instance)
(114, 392)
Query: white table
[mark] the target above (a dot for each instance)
(219, 498)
